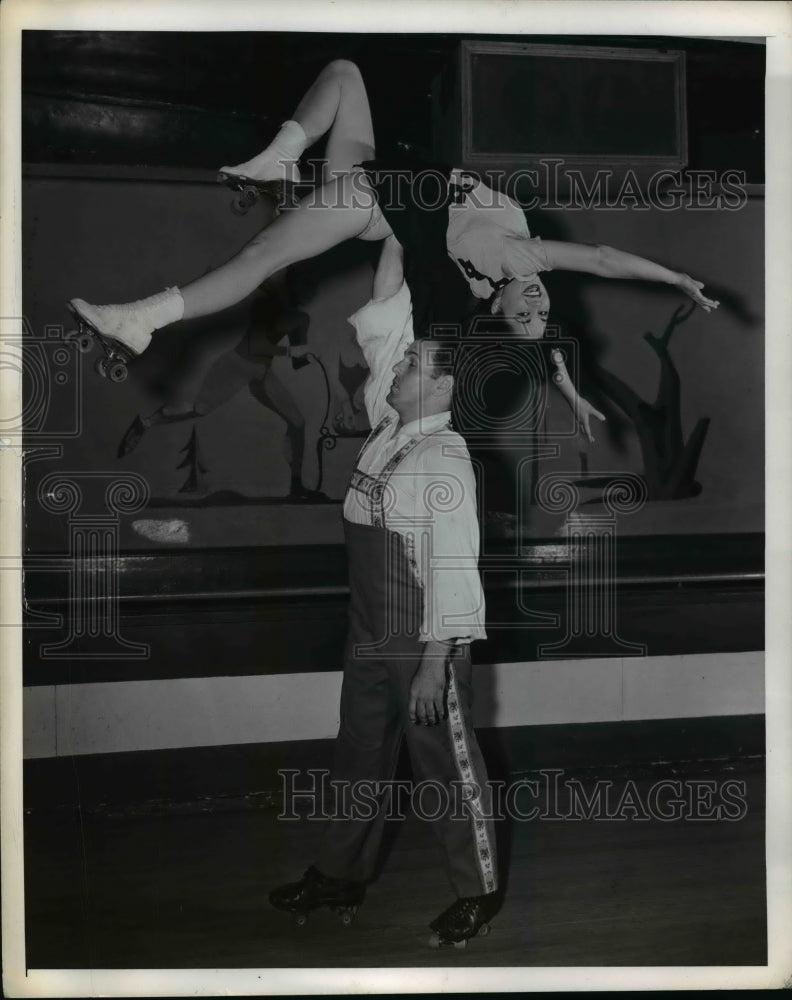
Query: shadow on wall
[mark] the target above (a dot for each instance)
(698, 432)
(669, 463)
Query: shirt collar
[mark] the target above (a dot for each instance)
(425, 425)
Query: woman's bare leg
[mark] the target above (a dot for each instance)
(342, 209)
(350, 138)
(336, 105)
(328, 216)
(337, 212)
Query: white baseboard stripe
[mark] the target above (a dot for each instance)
(64, 720)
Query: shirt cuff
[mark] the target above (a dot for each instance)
(459, 640)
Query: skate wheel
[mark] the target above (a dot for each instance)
(117, 371)
(436, 941)
(484, 930)
(100, 367)
(83, 341)
(301, 919)
(347, 916)
(245, 200)
(346, 913)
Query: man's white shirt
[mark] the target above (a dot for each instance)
(431, 496)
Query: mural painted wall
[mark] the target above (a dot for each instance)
(241, 444)
(710, 367)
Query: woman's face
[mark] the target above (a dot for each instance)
(525, 305)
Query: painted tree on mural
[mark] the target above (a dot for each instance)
(192, 461)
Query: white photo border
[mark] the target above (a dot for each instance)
(740, 20)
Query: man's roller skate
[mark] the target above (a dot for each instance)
(314, 890)
(468, 917)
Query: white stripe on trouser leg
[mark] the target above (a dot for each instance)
(485, 855)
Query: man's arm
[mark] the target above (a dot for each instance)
(609, 263)
(383, 328)
(452, 593)
(389, 275)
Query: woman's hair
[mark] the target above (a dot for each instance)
(481, 386)
(451, 342)
(494, 307)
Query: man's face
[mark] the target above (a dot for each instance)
(415, 387)
(525, 306)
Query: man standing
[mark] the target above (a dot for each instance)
(412, 538)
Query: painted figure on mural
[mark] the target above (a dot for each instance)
(202, 381)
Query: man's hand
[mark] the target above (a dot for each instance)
(427, 690)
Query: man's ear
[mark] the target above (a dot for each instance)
(495, 305)
(443, 384)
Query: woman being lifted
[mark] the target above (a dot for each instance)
(464, 242)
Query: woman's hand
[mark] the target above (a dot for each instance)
(693, 288)
(584, 411)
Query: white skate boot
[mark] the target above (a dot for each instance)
(276, 164)
(123, 331)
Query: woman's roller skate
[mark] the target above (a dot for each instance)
(273, 173)
(118, 354)
(248, 191)
(123, 331)
(468, 917)
(313, 890)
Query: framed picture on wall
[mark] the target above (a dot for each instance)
(593, 106)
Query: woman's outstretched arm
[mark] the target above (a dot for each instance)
(609, 263)
(581, 408)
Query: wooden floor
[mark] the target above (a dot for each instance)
(190, 891)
